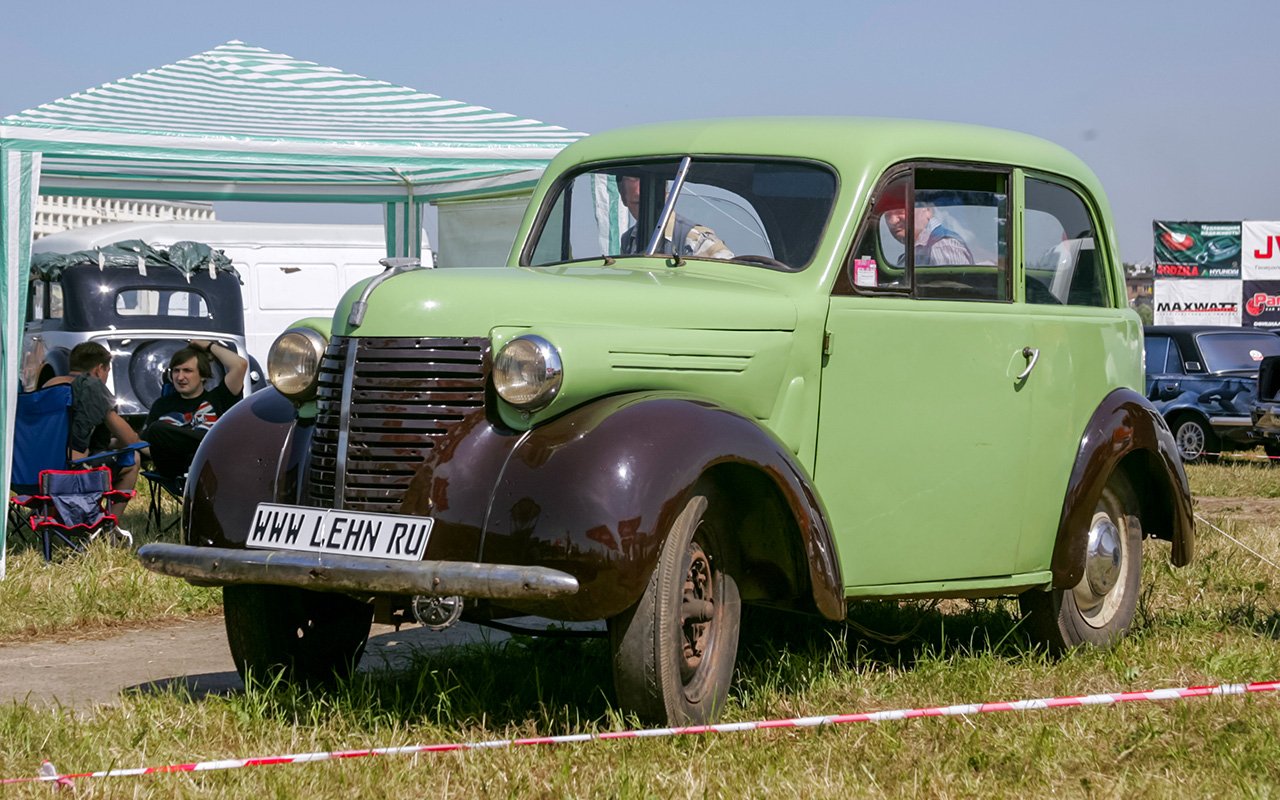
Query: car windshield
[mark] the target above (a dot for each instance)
(1232, 352)
(763, 213)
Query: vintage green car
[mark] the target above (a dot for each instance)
(711, 375)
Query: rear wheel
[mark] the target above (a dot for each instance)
(1099, 609)
(302, 637)
(674, 651)
(1196, 442)
(1272, 450)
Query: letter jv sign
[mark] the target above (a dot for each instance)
(1261, 245)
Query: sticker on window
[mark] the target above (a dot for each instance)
(1256, 355)
(864, 272)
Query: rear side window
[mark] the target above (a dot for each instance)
(1162, 355)
(161, 303)
(957, 221)
(1063, 264)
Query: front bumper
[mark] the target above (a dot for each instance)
(215, 566)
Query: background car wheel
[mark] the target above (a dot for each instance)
(674, 651)
(1099, 609)
(1196, 442)
(303, 637)
(1272, 451)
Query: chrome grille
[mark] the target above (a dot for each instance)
(406, 394)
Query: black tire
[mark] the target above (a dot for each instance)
(308, 638)
(674, 651)
(1197, 443)
(1089, 613)
(1272, 449)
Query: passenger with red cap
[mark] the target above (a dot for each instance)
(935, 243)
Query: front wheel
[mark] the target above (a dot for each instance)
(300, 636)
(1099, 609)
(674, 650)
(1196, 442)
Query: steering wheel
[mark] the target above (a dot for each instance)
(762, 260)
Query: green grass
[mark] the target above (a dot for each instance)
(99, 588)
(1215, 621)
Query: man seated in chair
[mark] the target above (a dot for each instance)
(95, 425)
(179, 421)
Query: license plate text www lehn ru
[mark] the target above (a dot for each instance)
(353, 533)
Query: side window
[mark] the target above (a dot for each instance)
(1162, 355)
(957, 225)
(1063, 266)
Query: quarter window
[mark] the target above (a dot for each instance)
(957, 225)
(1063, 264)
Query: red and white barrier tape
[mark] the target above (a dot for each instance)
(48, 774)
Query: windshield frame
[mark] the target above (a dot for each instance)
(553, 195)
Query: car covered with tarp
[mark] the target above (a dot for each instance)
(140, 302)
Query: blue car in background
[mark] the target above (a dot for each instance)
(1204, 381)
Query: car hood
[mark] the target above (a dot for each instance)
(473, 301)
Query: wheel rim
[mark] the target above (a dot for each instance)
(1102, 590)
(1190, 440)
(697, 613)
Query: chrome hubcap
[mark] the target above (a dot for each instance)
(1102, 559)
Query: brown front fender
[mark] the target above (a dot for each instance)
(1125, 433)
(594, 492)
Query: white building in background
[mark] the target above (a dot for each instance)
(55, 213)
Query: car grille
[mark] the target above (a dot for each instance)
(405, 396)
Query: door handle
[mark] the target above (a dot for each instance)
(1032, 354)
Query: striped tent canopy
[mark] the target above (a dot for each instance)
(243, 123)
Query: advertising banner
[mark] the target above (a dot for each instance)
(1261, 305)
(1197, 249)
(1197, 302)
(1261, 258)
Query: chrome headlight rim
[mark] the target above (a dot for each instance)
(550, 377)
(296, 381)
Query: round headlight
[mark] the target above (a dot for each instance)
(527, 372)
(293, 363)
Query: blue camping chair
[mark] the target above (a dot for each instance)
(57, 498)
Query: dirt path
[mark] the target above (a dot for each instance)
(82, 673)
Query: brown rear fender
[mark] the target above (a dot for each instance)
(1125, 433)
(595, 491)
(251, 456)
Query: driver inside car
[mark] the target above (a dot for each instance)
(696, 241)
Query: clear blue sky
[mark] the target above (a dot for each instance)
(1171, 103)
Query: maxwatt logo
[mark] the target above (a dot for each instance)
(1261, 302)
(1218, 308)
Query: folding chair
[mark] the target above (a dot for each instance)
(41, 454)
(72, 506)
(160, 485)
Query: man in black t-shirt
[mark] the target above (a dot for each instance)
(179, 421)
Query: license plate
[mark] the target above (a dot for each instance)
(349, 533)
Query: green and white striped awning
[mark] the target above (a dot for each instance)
(240, 122)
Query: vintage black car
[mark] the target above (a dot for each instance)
(1204, 381)
(142, 304)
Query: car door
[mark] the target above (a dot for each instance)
(1086, 344)
(922, 439)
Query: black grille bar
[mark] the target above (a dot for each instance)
(406, 394)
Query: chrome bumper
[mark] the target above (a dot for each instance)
(216, 566)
